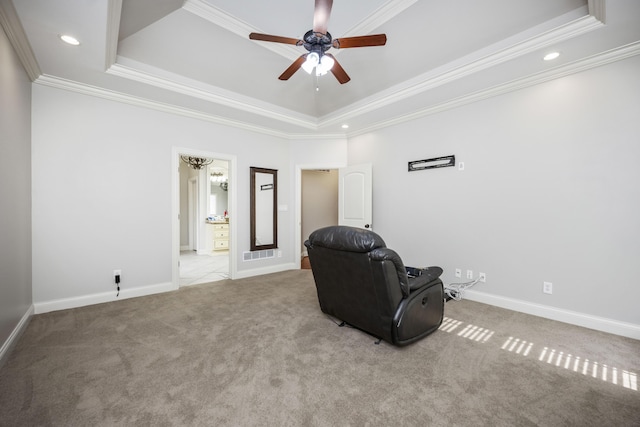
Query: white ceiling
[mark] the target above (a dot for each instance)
(194, 57)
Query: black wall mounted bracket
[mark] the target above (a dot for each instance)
(436, 162)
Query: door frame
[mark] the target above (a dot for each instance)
(175, 208)
(193, 206)
(297, 247)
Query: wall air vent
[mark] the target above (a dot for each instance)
(256, 255)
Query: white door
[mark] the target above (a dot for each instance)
(354, 196)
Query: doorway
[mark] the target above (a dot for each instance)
(318, 204)
(203, 230)
(351, 192)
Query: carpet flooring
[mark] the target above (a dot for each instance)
(259, 351)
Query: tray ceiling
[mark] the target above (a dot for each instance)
(194, 57)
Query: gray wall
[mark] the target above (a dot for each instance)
(15, 190)
(551, 192)
(120, 217)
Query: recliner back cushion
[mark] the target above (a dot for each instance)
(346, 239)
(352, 287)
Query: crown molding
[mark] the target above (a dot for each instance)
(383, 14)
(316, 136)
(84, 89)
(598, 9)
(425, 82)
(594, 61)
(471, 65)
(242, 29)
(231, 23)
(10, 22)
(114, 11)
(216, 95)
(218, 17)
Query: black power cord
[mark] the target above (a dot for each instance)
(118, 284)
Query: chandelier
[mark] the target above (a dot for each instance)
(196, 162)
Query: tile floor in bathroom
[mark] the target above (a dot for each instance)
(196, 269)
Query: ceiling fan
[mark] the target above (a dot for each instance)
(317, 41)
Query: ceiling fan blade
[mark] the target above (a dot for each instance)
(293, 67)
(360, 41)
(321, 16)
(338, 71)
(276, 39)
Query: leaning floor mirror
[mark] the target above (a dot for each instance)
(264, 212)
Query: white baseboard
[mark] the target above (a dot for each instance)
(266, 270)
(603, 324)
(185, 247)
(15, 334)
(81, 301)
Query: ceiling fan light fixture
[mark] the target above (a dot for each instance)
(317, 41)
(326, 62)
(312, 61)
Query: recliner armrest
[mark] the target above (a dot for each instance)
(386, 254)
(427, 275)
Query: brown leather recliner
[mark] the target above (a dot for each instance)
(365, 284)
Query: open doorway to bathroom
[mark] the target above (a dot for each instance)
(204, 220)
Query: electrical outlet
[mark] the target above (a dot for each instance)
(279, 254)
(482, 277)
(469, 274)
(547, 287)
(461, 166)
(117, 273)
(458, 272)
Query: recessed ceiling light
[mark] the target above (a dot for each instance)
(69, 39)
(551, 56)
(345, 126)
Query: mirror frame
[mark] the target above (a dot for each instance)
(274, 172)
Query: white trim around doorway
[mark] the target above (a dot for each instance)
(175, 208)
(299, 169)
